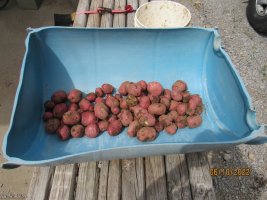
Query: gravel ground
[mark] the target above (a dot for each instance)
(247, 50)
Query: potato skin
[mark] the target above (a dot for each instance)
(146, 134)
(91, 96)
(179, 86)
(73, 107)
(59, 110)
(134, 89)
(107, 88)
(143, 85)
(59, 97)
(125, 117)
(88, 118)
(52, 125)
(75, 96)
(173, 115)
(165, 120)
(154, 88)
(158, 126)
(146, 119)
(114, 127)
(194, 121)
(182, 108)
(92, 131)
(99, 92)
(133, 128)
(49, 105)
(173, 105)
(63, 132)
(164, 100)
(112, 101)
(157, 109)
(103, 125)
(144, 102)
(71, 118)
(171, 129)
(123, 104)
(101, 111)
(84, 104)
(176, 96)
(167, 94)
(47, 116)
(181, 121)
(123, 88)
(77, 131)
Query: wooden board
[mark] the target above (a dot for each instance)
(107, 18)
(114, 180)
(130, 16)
(103, 179)
(94, 19)
(119, 20)
(81, 19)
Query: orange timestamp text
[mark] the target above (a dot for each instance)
(230, 171)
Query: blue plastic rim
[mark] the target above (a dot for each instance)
(66, 58)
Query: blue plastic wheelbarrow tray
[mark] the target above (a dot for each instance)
(67, 58)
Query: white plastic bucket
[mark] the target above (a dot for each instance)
(162, 14)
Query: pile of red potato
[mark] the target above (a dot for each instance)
(146, 108)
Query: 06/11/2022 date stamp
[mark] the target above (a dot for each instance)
(230, 171)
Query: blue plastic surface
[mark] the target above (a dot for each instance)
(66, 58)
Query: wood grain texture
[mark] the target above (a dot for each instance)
(40, 185)
(201, 186)
(94, 20)
(107, 18)
(63, 182)
(155, 178)
(114, 180)
(103, 179)
(130, 16)
(81, 19)
(140, 178)
(87, 183)
(119, 20)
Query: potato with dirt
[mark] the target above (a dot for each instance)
(103, 125)
(157, 109)
(171, 129)
(92, 131)
(115, 110)
(75, 96)
(142, 84)
(49, 105)
(112, 117)
(133, 128)
(194, 121)
(146, 134)
(47, 116)
(123, 104)
(144, 102)
(99, 92)
(147, 119)
(154, 88)
(114, 128)
(197, 99)
(182, 108)
(131, 100)
(173, 115)
(101, 111)
(85, 105)
(52, 125)
(179, 86)
(63, 132)
(158, 126)
(164, 100)
(111, 101)
(186, 96)
(123, 88)
(134, 89)
(73, 107)
(107, 88)
(91, 96)
(125, 117)
(99, 100)
(176, 96)
(77, 131)
(59, 97)
(174, 105)
(165, 120)
(59, 110)
(167, 94)
(88, 118)
(154, 99)
(71, 118)
(181, 121)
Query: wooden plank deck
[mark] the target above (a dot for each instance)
(172, 177)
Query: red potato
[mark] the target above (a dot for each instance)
(77, 131)
(71, 118)
(186, 96)
(91, 97)
(158, 126)
(84, 104)
(114, 127)
(138, 111)
(131, 100)
(107, 88)
(173, 105)
(99, 92)
(181, 121)
(123, 104)
(182, 108)
(92, 131)
(49, 105)
(80, 111)
(88, 118)
(142, 84)
(112, 118)
(165, 120)
(199, 109)
(123, 88)
(112, 101)
(59, 110)
(59, 97)
(63, 132)
(157, 109)
(133, 128)
(103, 125)
(73, 107)
(191, 109)
(179, 86)
(197, 99)
(154, 99)
(52, 125)
(101, 111)
(154, 88)
(176, 96)
(167, 94)
(47, 116)
(164, 100)
(118, 97)
(126, 117)
(171, 129)
(91, 108)
(144, 102)
(173, 115)
(147, 119)
(115, 110)
(146, 134)
(134, 89)
(75, 96)
(194, 121)
(99, 100)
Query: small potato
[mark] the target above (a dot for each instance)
(167, 94)
(59, 97)
(99, 92)
(194, 121)
(63, 132)
(179, 86)
(147, 119)
(52, 125)
(191, 109)
(101, 111)
(77, 131)
(133, 128)
(73, 107)
(75, 96)
(126, 117)
(199, 109)
(114, 127)
(164, 100)
(173, 105)
(181, 121)
(112, 101)
(142, 84)
(196, 98)
(88, 118)
(47, 116)
(71, 118)
(118, 97)
(107, 88)
(171, 129)
(176, 96)
(115, 110)
(154, 99)
(157, 109)
(182, 108)
(146, 134)
(144, 102)
(91, 97)
(59, 110)
(158, 126)
(112, 117)
(138, 110)
(165, 120)
(186, 96)
(134, 89)
(49, 105)
(154, 88)
(99, 100)
(123, 88)
(123, 104)
(131, 100)
(173, 115)
(103, 125)
(92, 131)
(84, 104)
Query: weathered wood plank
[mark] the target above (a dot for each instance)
(114, 180)
(103, 179)
(119, 20)
(107, 18)
(177, 177)
(40, 183)
(94, 20)
(140, 177)
(201, 186)
(63, 182)
(155, 178)
(87, 183)
(130, 16)
(81, 19)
